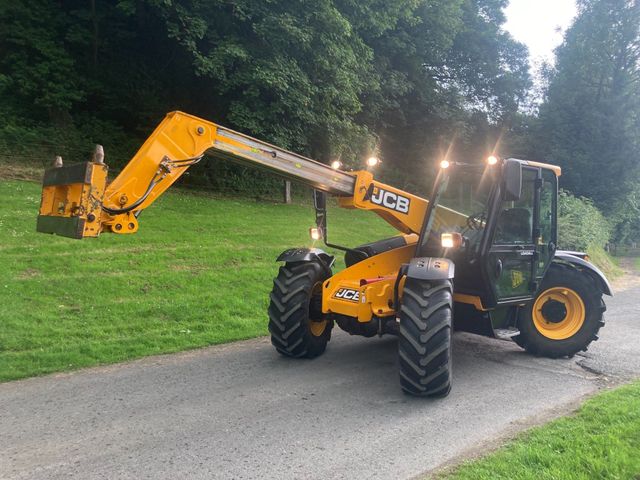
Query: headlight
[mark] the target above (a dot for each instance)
(451, 240)
(315, 233)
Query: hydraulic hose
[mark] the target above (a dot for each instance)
(165, 165)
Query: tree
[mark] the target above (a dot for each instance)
(38, 72)
(447, 75)
(327, 78)
(590, 120)
(289, 72)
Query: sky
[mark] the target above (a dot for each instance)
(539, 24)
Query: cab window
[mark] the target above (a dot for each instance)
(548, 195)
(515, 220)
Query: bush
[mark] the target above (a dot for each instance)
(38, 144)
(581, 225)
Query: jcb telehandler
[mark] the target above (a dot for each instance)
(490, 255)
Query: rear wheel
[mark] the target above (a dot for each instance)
(565, 316)
(424, 344)
(298, 327)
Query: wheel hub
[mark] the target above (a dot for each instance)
(558, 313)
(554, 311)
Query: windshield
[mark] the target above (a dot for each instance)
(463, 206)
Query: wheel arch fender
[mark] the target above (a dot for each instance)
(431, 268)
(293, 255)
(566, 258)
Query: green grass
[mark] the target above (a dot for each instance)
(601, 441)
(198, 273)
(605, 262)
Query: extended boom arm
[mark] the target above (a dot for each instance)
(77, 202)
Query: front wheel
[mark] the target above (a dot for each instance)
(296, 323)
(565, 316)
(424, 344)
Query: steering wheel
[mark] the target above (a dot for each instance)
(476, 221)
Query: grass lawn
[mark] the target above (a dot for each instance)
(600, 441)
(198, 273)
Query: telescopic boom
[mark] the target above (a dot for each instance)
(77, 201)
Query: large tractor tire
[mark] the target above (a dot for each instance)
(298, 327)
(565, 316)
(424, 345)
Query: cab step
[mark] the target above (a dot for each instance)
(506, 333)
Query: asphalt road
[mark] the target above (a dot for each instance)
(242, 411)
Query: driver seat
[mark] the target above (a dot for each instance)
(514, 226)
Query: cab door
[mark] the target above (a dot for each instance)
(511, 263)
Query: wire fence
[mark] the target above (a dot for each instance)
(632, 250)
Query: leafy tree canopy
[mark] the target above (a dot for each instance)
(329, 78)
(589, 122)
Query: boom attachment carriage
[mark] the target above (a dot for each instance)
(72, 196)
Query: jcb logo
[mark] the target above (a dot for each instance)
(347, 294)
(389, 200)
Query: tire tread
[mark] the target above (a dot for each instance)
(289, 310)
(424, 346)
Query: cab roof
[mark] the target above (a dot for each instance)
(555, 168)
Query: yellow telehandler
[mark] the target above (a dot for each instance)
(483, 246)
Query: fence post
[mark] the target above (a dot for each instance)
(287, 191)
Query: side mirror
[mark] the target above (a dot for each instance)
(320, 200)
(512, 185)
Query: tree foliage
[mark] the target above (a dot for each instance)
(590, 120)
(328, 78)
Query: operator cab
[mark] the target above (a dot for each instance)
(507, 220)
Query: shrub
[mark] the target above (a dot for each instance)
(580, 224)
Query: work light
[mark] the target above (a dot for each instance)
(451, 240)
(372, 161)
(315, 233)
